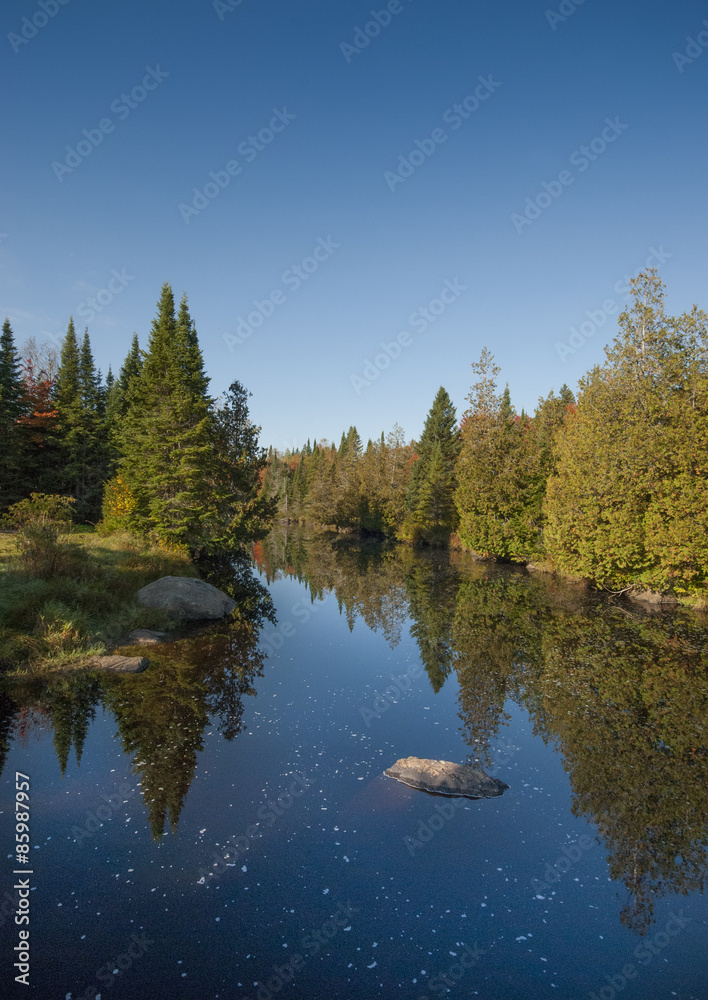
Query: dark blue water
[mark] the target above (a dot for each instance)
(229, 832)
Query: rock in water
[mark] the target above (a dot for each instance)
(119, 664)
(186, 597)
(445, 778)
(145, 637)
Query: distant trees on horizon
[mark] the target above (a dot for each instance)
(611, 487)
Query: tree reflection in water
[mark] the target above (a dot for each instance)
(621, 693)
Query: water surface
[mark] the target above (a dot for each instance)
(220, 826)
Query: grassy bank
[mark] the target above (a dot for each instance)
(85, 609)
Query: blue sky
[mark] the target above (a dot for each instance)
(324, 217)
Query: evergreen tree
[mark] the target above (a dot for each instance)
(166, 434)
(628, 505)
(68, 386)
(11, 409)
(132, 366)
(430, 507)
(40, 455)
(494, 480)
(240, 510)
(80, 425)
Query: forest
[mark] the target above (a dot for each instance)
(610, 486)
(147, 451)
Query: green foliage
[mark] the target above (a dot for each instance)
(86, 604)
(11, 409)
(81, 425)
(239, 511)
(495, 474)
(430, 506)
(627, 506)
(345, 487)
(41, 523)
(164, 437)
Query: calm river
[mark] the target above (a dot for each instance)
(220, 826)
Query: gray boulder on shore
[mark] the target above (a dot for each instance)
(186, 597)
(443, 777)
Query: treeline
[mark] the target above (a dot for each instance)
(149, 450)
(611, 487)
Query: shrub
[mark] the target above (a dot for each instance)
(42, 522)
(118, 506)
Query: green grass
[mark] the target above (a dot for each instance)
(55, 624)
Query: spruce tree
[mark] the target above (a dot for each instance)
(41, 459)
(240, 510)
(80, 425)
(430, 508)
(166, 434)
(11, 409)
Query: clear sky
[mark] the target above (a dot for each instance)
(326, 214)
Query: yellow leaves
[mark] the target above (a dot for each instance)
(118, 499)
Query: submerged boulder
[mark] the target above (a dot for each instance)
(443, 777)
(119, 664)
(186, 597)
(145, 637)
(651, 597)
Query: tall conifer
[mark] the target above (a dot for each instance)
(11, 408)
(165, 435)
